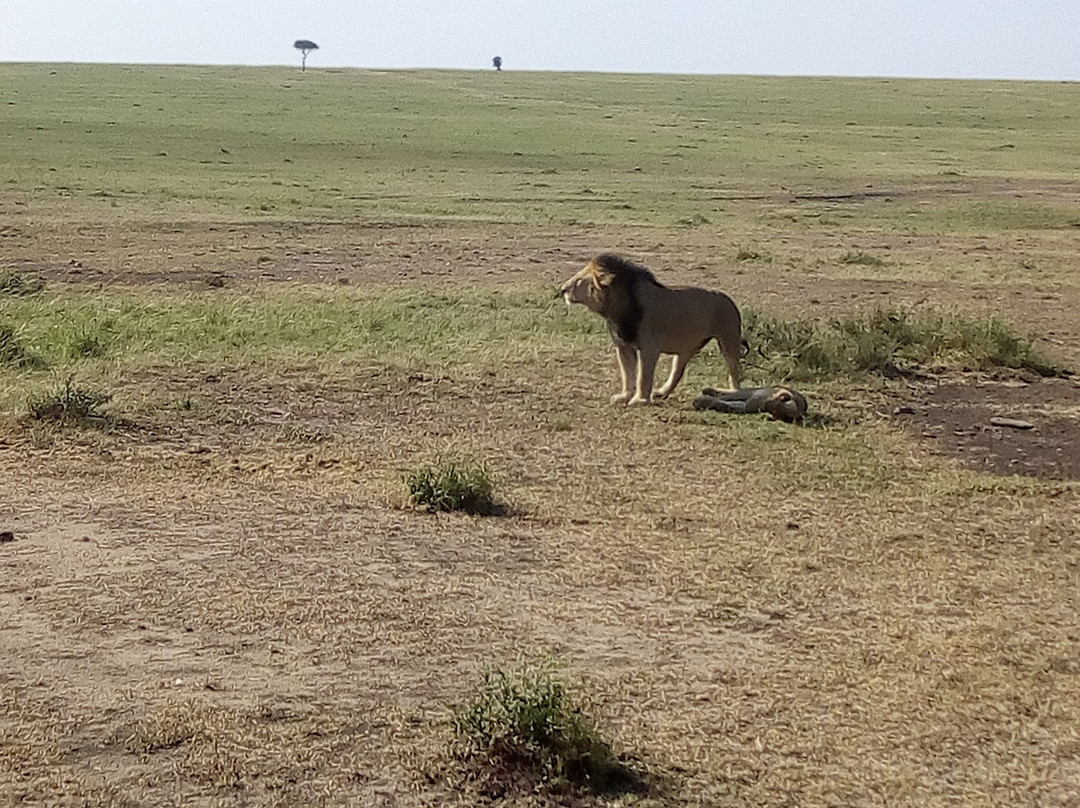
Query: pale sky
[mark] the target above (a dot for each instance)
(1015, 39)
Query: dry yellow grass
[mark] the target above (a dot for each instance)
(216, 609)
(221, 596)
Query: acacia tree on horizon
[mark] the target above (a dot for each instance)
(305, 46)
(497, 61)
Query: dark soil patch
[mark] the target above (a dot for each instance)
(955, 419)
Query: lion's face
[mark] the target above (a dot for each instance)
(585, 288)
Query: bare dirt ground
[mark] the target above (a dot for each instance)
(238, 608)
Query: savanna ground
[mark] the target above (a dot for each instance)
(297, 288)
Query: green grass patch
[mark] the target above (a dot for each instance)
(266, 142)
(408, 326)
(14, 353)
(88, 346)
(522, 732)
(888, 343)
(453, 486)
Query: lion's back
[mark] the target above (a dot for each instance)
(687, 315)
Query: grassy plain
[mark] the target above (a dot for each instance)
(296, 289)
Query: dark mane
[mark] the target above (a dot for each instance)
(622, 308)
(624, 271)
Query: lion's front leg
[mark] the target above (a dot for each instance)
(627, 357)
(647, 359)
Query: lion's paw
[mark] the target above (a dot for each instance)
(621, 398)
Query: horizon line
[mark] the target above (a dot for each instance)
(429, 68)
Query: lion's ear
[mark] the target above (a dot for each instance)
(591, 272)
(602, 280)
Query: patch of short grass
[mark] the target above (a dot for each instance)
(451, 485)
(165, 728)
(696, 220)
(410, 325)
(212, 741)
(986, 344)
(522, 733)
(15, 354)
(70, 404)
(88, 346)
(751, 254)
(861, 258)
(888, 343)
(19, 284)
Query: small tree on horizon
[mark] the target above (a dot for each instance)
(497, 61)
(305, 46)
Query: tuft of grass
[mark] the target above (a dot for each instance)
(20, 284)
(861, 258)
(696, 220)
(87, 346)
(890, 343)
(15, 354)
(69, 405)
(207, 741)
(165, 728)
(452, 486)
(750, 254)
(522, 733)
(987, 344)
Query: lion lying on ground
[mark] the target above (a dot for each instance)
(781, 403)
(646, 319)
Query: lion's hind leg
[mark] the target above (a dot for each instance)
(731, 350)
(678, 368)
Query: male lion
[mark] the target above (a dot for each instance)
(646, 319)
(782, 403)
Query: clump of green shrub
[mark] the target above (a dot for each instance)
(69, 405)
(452, 486)
(523, 733)
(987, 344)
(888, 343)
